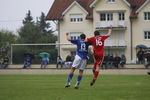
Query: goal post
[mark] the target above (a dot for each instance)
(45, 46)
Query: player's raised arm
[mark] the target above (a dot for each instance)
(86, 40)
(68, 36)
(109, 31)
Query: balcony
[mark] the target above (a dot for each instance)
(115, 43)
(118, 25)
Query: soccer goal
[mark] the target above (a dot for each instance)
(18, 52)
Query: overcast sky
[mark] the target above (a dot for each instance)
(12, 12)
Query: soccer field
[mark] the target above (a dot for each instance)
(51, 87)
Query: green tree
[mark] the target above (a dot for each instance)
(39, 32)
(29, 33)
(6, 38)
(43, 25)
(28, 18)
(35, 32)
(46, 30)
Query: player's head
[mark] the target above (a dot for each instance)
(82, 36)
(96, 33)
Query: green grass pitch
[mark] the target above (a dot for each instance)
(51, 87)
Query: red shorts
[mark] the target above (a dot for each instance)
(99, 58)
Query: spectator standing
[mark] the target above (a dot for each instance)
(147, 56)
(117, 60)
(45, 61)
(1, 61)
(6, 62)
(59, 62)
(123, 60)
(140, 56)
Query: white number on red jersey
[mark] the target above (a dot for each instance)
(98, 42)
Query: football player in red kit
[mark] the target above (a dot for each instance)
(97, 42)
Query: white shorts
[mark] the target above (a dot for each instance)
(79, 63)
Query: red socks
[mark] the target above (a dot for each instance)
(96, 74)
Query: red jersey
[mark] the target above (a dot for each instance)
(98, 43)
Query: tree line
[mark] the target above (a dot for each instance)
(38, 31)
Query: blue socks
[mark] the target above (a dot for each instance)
(79, 79)
(69, 77)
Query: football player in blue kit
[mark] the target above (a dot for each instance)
(80, 60)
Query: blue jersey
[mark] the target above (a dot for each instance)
(82, 48)
(46, 59)
(28, 59)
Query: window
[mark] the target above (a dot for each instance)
(146, 15)
(111, 1)
(102, 17)
(121, 16)
(75, 35)
(106, 17)
(147, 35)
(109, 17)
(76, 18)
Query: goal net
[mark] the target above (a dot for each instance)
(18, 52)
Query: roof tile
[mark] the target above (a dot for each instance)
(135, 4)
(59, 6)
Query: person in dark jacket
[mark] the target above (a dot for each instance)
(59, 62)
(27, 61)
(6, 62)
(140, 56)
(147, 56)
(117, 60)
(68, 61)
(123, 60)
(110, 62)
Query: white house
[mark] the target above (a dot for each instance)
(130, 20)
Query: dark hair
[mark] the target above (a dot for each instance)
(82, 36)
(96, 33)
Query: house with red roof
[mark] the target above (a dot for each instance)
(130, 20)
